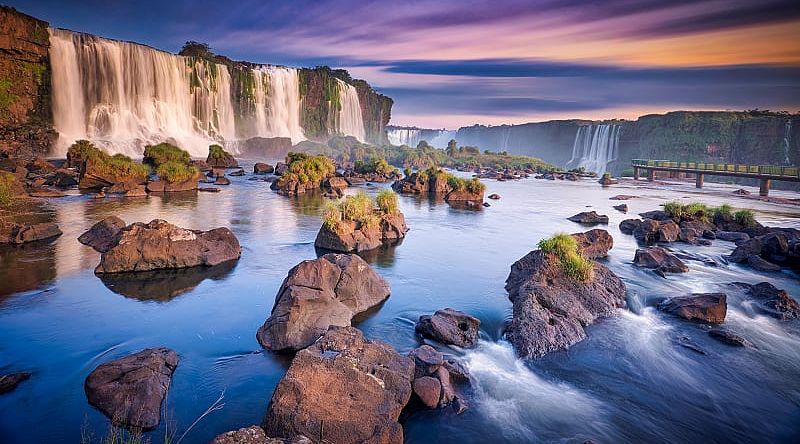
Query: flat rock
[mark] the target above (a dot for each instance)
(660, 259)
(450, 326)
(102, 235)
(589, 218)
(263, 168)
(160, 245)
(318, 294)
(130, 390)
(344, 388)
(707, 307)
(14, 233)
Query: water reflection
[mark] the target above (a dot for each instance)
(163, 285)
(383, 256)
(26, 267)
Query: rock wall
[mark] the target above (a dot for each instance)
(26, 122)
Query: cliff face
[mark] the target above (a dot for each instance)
(26, 122)
(550, 141)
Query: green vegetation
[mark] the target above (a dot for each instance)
(118, 166)
(306, 168)
(6, 189)
(387, 201)
(162, 153)
(376, 165)
(723, 211)
(565, 248)
(627, 172)
(174, 172)
(472, 185)
(745, 218)
(216, 152)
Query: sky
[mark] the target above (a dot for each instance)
(451, 63)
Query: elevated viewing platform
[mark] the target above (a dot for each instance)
(765, 173)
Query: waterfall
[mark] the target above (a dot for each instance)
(595, 147)
(787, 141)
(442, 138)
(350, 123)
(437, 138)
(404, 136)
(123, 95)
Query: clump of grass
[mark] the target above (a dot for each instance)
(81, 150)
(377, 165)
(119, 166)
(162, 153)
(174, 172)
(724, 212)
(565, 247)
(216, 152)
(745, 218)
(306, 168)
(356, 207)
(387, 201)
(674, 209)
(6, 189)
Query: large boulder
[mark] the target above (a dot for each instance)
(707, 307)
(773, 300)
(219, 158)
(10, 381)
(102, 235)
(130, 390)
(15, 233)
(263, 168)
(318, 294)
(594, 243)
(628, 226)
(732, 236)
(746, 249)
(551, 309)
(352, 236)
(160, 245)
(660, 259)
(647, 231)
(761, 264)
(450, 326)
(343, 389)
(668, 231)
(589, 218)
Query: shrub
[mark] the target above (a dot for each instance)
(565, 248)
(305, 168)
(174, 172)
(6, 189)
(81, 150)
(216, 152)
(387, 201)
(475, 186)
(356, 207)
(164, 152)
(332, 215)
(724, 212)
(377, 165)
(674, 209)
(370, 221)
(745, 218)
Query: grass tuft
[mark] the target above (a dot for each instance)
(162, 153)
(387, 201)
(745, 218)
(565, 247)
(174, 172)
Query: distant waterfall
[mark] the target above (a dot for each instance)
(123, 96)
(442, 138)
(413, 136)
(351, 123)
(595, 147)
(404, 136)
(787, 141)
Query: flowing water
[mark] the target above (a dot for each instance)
(595, 147)
(412, 136)
(350, 121)
(629, 381)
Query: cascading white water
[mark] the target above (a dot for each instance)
(787, 141)
(404, 136)
(350, 122)
(442, 138)
(595, 147)
(123, 96)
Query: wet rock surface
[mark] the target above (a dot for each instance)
(705, 307)
(103, 235)
(10, 381)
(450, 326)
(353, 236)
(589, 218)
(659, 259)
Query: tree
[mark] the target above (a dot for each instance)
(196, 49)
(452, 147)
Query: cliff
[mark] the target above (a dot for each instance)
(26, 122)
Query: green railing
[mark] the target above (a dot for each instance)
(772, 170)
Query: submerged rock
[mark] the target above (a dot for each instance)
(102, 235)
(161, 245)
(621, 207)
(450, 326)
(589, 218)
(14, 233)
(494, 196)
(660, 259)
(318, 294)
(344, 388)
(352, 236)
(10, 381)
(707, 307)
(551, 309)
(130, 390)
(728, 337)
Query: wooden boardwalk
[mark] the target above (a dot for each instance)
(764, 173)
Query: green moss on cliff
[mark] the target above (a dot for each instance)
(6, 97)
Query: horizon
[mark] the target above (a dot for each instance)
(448, 67)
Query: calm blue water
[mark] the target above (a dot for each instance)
(629, 381)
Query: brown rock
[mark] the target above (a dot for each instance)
(255, 435)
(668, 231)
(450, 326)
(336, 182)
(426, 360)
(660, 259)
(351, 236)
(728, 337)
(103, 235)
(10, 381)
(343, 388)
(318, 294)
(589, 218)
(13, 233)
(707, 307)
(775, 301)
(130, 390)
(594, 243)
(761, 264)
(263, 168)
(162, 186)
(429, 390)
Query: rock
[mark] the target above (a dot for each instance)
(353, 181)
(63, 178)
(209, 189)
(219, 158)
(494, 196)
(222, 181)
(102, 235)
(660, 259)
(318, 294)
(450, 326)
(658, 215)
(216, 172)
(464, 197)
(263, 168)
(668, 231)
(352, 236)
(594, 243)
(94, 174)
(457, 370)
(200, 164)
(732, 236)
(43, 193)
(688, 235)
(10, 381)
(621, 207)
(426, 360)
(14, 233)
(237, 173)
(486, 204)
(628, 226)
(255, 435)
(728, 337)
(130, 390)
(162, 186)
(622, 197)
(550, 309)
(281, 168)
(774, 243)
(336, 182)
(750, 247)
(761, 264)
(589, 218)
(607, 180)
(343, 388)
(707, 307)
(429, 390)
(647, 231)
(448, 391)
(741, 192)
(161, 245)
(774, 301)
